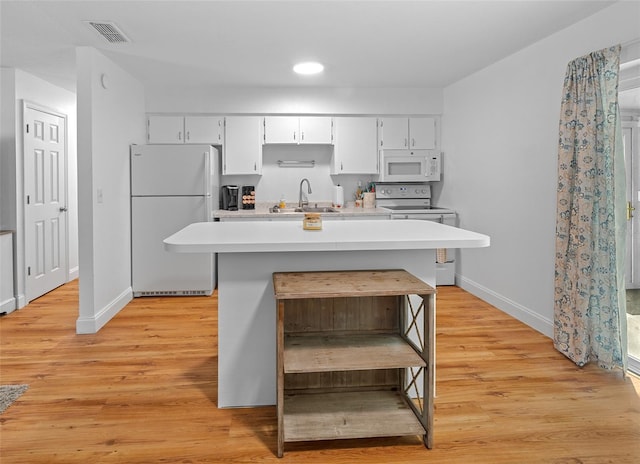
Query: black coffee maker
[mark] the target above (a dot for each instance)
(229, 198)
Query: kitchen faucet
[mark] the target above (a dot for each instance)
(306, 202)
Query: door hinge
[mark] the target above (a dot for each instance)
(27, 128)
(28, 199)
(28, 270)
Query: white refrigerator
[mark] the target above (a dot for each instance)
(172, 186)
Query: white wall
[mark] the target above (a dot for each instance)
(7, 148)
(109, 120)
(8, 301)
(500, 133)
(299, 100)
(19, 86)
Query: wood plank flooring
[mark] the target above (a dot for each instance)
(143, 390)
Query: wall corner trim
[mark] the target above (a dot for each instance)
(504, 304)
(91, 325)
(21, 301)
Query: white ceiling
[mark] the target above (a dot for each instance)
(255, 43)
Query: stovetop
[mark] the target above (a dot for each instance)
(407, 198)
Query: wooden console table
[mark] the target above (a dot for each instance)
(355, 355)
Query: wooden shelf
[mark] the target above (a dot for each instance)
(324, 416)
(346, 367)
(333, 284)
(345, 353)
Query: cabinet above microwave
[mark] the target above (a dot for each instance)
(415, 133)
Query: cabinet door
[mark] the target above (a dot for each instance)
(242, 150)
(394, 133)
(203, 129)
(422, 133)
(281, 129)
(355, 146)
(316, 130)
(165, 129)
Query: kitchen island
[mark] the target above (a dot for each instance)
(249, 255)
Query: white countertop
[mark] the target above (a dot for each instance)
(282, 236)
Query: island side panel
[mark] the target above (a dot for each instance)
(247, 311)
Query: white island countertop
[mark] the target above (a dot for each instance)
(250, 252)
(276, 236)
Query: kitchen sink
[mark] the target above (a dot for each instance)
(304, 209)
(317, 209)
(276, 209)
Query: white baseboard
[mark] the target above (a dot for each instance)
(8, 305)
(21, 301)
(74, 273)
(522, 313)
(90, 325)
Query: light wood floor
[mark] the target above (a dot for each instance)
(143, 390)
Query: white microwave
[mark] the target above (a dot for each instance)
(410, 165)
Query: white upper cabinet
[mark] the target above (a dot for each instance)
(165, 129)
(298, 130)
(242, 150)
(422, 133)
(281, 129)
(204, 129)
(185, 129)
(355, 146)
(316, 129)
(407, 133)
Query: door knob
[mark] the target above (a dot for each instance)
(63, 209)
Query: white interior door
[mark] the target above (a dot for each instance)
(45, 184)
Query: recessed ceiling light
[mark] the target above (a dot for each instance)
(309, 67)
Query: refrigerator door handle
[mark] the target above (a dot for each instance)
(208, 210)
(207, 170)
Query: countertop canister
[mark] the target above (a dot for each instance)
(369, 200)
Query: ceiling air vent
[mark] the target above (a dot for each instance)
(109, 31)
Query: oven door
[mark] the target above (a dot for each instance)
(410, 165)
(443, 218)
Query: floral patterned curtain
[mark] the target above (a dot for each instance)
(590, 302)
